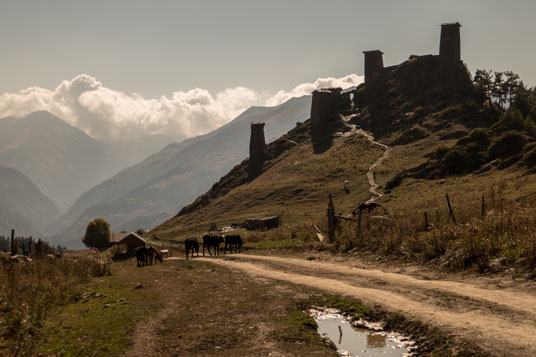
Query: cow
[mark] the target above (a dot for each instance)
(233, 240)
(212, 241)
(189, 245)
(141, 257)
(153, 254)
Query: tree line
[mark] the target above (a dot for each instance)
(29, 246)
(506, 93)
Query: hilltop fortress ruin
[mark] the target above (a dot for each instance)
(328, 103)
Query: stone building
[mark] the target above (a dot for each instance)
(449, 45)
(256, 150)
(373, 64)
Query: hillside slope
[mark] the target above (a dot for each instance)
(153, 190)
(415, 108)
(22, 206)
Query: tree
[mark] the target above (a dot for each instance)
(97, 234)
(483, 80)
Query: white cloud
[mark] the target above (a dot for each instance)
(307, 88)
(107, 114)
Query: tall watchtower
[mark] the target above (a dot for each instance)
(449, 45)
(373, 64)
(256, 150)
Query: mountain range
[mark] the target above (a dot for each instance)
(63, 161)
(23, 206)
(153, 190)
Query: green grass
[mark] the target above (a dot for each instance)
(99, 325)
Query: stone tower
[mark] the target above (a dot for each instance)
(373, 64)
(256, 150)
(324, 117)
(449, 45)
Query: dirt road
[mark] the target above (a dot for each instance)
(500, 320)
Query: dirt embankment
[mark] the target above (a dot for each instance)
(500, 319)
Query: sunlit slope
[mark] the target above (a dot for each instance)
(295, 187)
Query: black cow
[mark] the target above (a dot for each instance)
(212, 241)
(141, 256)
(191, 244)
(233, 240)
(153, 254)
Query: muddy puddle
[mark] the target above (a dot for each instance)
(359, 338)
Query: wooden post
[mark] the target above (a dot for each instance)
(332, 221)
(13, 250)
(358, 225)
(483, 206)
(426, 225)
(451, 213)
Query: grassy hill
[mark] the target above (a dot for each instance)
(432, 116)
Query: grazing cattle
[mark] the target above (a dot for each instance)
(153, 254)
(233, 240)
(141, 256)
(189, 245)
(212, 241)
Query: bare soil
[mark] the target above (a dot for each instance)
(497, 314)
(211, 310)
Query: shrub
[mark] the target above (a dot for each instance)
(508, 144)
(453, 162)
(530, 157)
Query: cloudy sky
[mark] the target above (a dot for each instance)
(128, 67)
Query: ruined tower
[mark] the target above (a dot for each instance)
(373, 64)
(256, 150)
(449, 45)
(324, 117)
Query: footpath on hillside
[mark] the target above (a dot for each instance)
(500, 319)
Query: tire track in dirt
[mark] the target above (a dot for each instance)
(500, 321)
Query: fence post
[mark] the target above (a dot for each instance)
(451, 213)
(426, 225)
(332, 221)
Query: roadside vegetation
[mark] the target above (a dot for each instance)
(30, 291)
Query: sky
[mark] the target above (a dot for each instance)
(128, 67)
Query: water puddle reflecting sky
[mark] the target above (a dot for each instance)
(352, 341)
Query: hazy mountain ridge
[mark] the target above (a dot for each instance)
(62, 160)
(156, 188)
(23, 206)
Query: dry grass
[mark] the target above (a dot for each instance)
(29, 291)
(506, 234)
(294, 188)
(297, 186)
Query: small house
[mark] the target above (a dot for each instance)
(132, 242)
(262, 223)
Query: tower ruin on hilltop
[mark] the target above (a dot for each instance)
(449, 45)
(324, 106)
(256, 150)
(373, 64)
